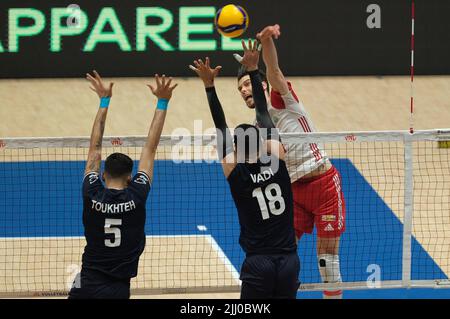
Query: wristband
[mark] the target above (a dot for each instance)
(162, 104)
(104, 102)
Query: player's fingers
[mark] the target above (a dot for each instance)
(259, 47)
(243, 45)
(93, 89)
(94, 84)
(163, 80)
(193, 68)
(173, 87)
(151, 88)
(276, 35)
(277, 31)
(250, 45)
(237, 57)
(200, 61)
(217, 69)
(97, 76)
(111, 86)
(255, 45)
(197, 64)
(157, 79)
(168, 83)
(207, 62)
(90, 78)
(91, 82)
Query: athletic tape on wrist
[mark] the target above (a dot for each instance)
(104, 102)
(162, 104)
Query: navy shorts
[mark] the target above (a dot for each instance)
(270, 276)
(93, 284)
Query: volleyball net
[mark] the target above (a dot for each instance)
(396, 187)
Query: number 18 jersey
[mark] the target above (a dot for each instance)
(263, 197)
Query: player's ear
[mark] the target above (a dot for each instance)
(103, 177)
(129, 180)
(264, 84)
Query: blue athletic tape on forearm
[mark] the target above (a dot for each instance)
(104, 102)
(162, 104)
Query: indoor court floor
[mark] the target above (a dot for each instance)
(66, 108)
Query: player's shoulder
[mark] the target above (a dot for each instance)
(279, 101)
(281, 163)
(91, 177)
(92, 184)
(283, 166)
(141, 178)
(239, 176)
(237, 170)
(277, 164)
(140, 186)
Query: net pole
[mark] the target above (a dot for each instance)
(411, 113)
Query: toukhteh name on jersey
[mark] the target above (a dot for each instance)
(113, 208)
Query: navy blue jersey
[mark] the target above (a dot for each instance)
(263, 198)
(114, 223)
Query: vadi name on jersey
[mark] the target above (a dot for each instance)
(113, 208)
(263, 176)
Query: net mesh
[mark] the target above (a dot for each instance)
(192, 226)
(431, 220)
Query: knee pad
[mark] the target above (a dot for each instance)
(329, 268)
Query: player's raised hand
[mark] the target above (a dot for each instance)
(268, 32)
(98, 86)
(205, 71)
(163, 89)
(251, 55)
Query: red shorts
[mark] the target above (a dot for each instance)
(320, 201)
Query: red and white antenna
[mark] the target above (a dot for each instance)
(411, 116)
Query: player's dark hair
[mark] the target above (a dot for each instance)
(243, 72)
(247, 139)
(118, 165)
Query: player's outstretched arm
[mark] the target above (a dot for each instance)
(270, 57)
(95, 147)
(251, 60)
(163, 91)
(224, 140)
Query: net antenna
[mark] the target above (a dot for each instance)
(411, 114)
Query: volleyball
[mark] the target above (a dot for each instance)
(231, 21)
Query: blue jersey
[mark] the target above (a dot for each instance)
(114, 223)
(263, 198)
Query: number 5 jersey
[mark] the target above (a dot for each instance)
(114, 222)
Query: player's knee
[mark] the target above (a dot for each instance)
(328, 246)
(329, 268)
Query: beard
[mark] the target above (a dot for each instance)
(250, 103)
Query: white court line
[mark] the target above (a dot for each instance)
(224, 258)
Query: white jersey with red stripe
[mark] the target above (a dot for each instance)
(289, 116)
